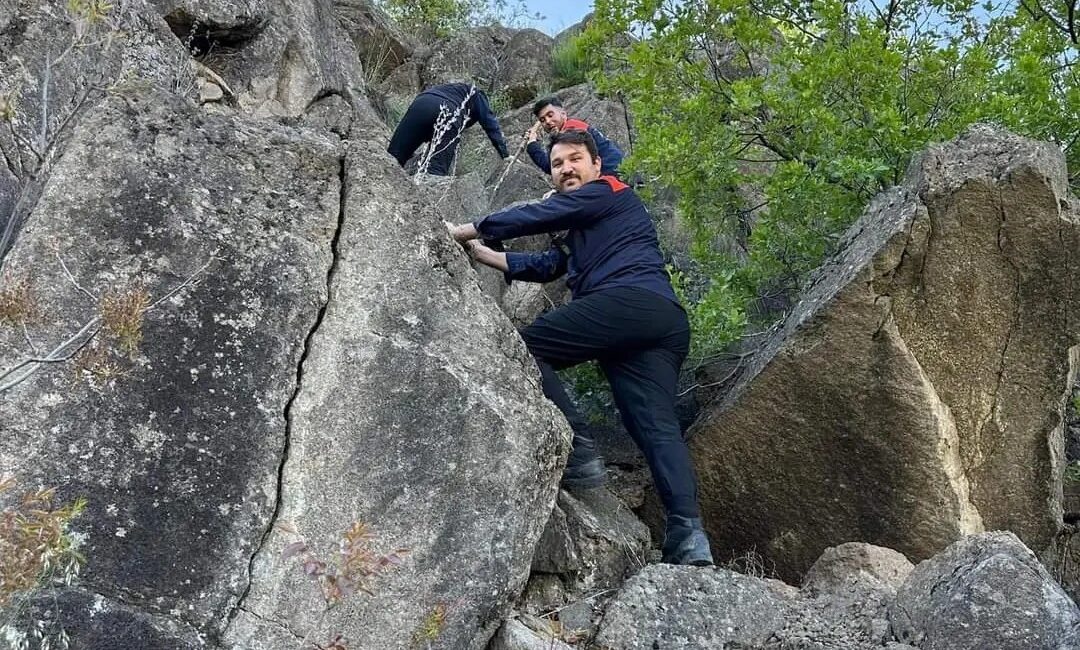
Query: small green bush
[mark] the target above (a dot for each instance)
(431, 18)
(570, 62)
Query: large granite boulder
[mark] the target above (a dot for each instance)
(314, 352)
(513, 64)
(985, 591)
(43, 42)
(915, 393)
(419, 413)
(170, 424)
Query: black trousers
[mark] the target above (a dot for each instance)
(640, 339)
(417, 126)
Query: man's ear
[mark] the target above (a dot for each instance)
(599, 163)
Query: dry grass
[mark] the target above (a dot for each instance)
(432, 626)
(34, 542)
(98, 366)
(751, 563)
(122, 313)
(18, 302)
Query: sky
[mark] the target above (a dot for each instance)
(559, 14)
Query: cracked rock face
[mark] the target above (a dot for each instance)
(316, 352)
(175, 444)
(419, 414)
(915, 393)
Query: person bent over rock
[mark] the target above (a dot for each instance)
(624, 314)
(439, 115)
(552, 118)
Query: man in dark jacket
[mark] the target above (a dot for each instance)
(439, 115)
(624, 314)
(551, 116)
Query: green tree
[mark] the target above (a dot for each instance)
(776, 122)
(441, 18)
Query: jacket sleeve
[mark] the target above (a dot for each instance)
(559, 212)
(536, 267)
(610, 154)
(539, 156)
(489, 123)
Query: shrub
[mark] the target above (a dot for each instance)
(122, 313)
(36, 550)
(570, 62)
(18, 302)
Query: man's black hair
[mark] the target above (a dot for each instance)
(574, 136)
(546, 101)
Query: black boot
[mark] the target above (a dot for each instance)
(685, 542)
(584, 468)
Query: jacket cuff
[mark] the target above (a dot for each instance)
(515, 263)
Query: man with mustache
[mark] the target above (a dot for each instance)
(624, 314)
(552, 118)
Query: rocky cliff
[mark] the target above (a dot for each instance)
(301, 418)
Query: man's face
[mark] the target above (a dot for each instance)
(552, 117)
(571, 166)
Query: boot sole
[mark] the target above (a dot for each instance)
(585, 483)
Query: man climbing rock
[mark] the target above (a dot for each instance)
(624, 314)
(439, 115)
(552, 118)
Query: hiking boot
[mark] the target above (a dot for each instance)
(584, 475)
(685, 542)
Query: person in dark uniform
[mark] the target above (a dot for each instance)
(462, 105)
(624, 314)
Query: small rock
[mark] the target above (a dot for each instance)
(577, 616)
(209, 92)
(514, 635)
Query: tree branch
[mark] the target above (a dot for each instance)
(21, 371)
(72, 279)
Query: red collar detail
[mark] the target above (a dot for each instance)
(616, 184)
(574, 125)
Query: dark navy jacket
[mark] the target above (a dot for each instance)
(611, 238)
(610, 155)
(478, 110)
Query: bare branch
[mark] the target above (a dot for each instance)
(1043, 13)
(43, 137)
(186, 283)
(29, 341)
(69, 348)
(21, 371)
(1071, 22)
(72, 279)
